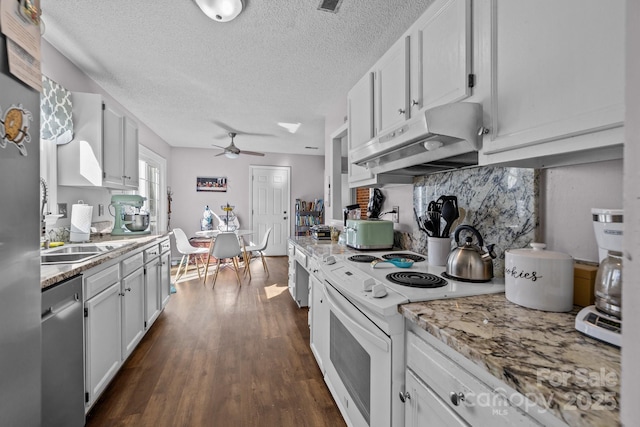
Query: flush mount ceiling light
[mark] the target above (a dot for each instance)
(220, 10)
(291, 127)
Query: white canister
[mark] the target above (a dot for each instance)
(539, 279)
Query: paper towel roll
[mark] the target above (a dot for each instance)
(80, 222)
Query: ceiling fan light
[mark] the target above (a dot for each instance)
(231, 155)
(220, 10)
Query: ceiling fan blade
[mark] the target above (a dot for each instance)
(223, 126)
(220, 154)
(220, 147)
(251, 153)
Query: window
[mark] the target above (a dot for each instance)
(152, 176)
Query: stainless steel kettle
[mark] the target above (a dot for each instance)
(468, 262)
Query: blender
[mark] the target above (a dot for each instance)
(603, 320)
(129, 219)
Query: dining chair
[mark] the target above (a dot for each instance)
(248, 251)
(226, 246)
(187, 249)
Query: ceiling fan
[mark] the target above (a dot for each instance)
(232, 152)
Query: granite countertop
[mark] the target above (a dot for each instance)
(52, 274)
(539, 354)
(319, 248)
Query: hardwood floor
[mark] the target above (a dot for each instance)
(231, 356)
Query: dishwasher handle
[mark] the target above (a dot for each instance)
(60, 308)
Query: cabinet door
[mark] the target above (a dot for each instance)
(130, 154)
(424, 408)
(319, 322)
(558, 76)
(360, 112)
(442, 54)
(112, 146)
(152, 290)
(132, 311)
(392, 84)
(165, 278)
(103, 340)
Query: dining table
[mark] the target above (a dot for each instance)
(211, 235)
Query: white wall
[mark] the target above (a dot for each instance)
(567, 196)
(186, 164)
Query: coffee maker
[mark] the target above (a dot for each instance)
(603, 320)
(129, 218)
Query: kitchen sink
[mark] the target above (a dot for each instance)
(67, 258)
(84, 248)
(76, 253)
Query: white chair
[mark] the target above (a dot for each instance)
(259, 248)
(226, 246)
(187, 249)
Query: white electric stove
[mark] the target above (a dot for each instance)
(383, 286)
(359, 332)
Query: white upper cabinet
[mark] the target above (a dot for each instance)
(361, 130)
(557, 93)
(112, 149)
(104, 149)
(441, 55)
(428, 66)
(391, 74)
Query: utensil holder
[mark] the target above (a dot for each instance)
(438, 249)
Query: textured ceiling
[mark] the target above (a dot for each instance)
(188, 77)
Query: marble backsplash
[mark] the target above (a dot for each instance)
(501, 203)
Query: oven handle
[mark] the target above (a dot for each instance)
(378, 342)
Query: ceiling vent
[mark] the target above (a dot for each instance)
(330, 5)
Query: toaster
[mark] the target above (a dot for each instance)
(369, 234)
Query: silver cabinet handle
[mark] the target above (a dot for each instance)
(414, 102)
(400, 111)
(404, 396)
(456, 398)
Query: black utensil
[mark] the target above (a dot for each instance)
(449, 214)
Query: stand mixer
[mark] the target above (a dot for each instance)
(128, 220)
(603, 320)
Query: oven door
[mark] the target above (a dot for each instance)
(358, 369)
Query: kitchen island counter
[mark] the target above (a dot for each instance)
(539, 354)
(52, 274)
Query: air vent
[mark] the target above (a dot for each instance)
(330, 5)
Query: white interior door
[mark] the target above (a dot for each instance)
(270, 206)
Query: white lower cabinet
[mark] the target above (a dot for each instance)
(152, 273)
(133, 321)
(103, 331)
(120, 300)
(424, 407)
(318, 321)
(439, 391)
(165, 278)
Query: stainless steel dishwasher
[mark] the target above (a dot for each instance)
(62, 355)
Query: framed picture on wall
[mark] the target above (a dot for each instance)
(216, 183)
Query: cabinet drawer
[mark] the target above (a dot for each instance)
(301, 257)
(481, 405)
(98, 282)
(165, 245)
(132, 263)
(151, 253)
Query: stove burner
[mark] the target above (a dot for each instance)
(362, 258)
(412, 257)
(416, 279)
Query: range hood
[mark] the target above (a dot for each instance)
(442, 138)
